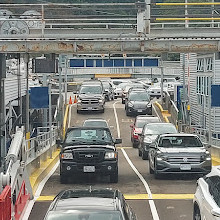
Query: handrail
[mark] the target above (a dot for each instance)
(5, 203)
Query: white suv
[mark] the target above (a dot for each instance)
(206, 200)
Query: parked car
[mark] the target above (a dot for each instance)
(95, 122)
(179, 153)
(119, 88)
(149, 134)
(91, 96)
(136, 128)
(90, 204)
(127, 87)
(138, 102)
(88, 150)
(108, 90)
(206, 202)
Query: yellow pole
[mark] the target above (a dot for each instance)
(65, 120)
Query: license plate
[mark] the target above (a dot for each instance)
(139, 110)
(185, 166)
(89, 108)
(89, 169)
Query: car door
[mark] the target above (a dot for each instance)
(211, 197)
(152, 153)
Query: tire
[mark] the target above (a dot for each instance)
(128, 113)
(114, 177)
(134, 145)
(144, 156)
(156, 174)
(196, 213)
(139, 153)
(63, 178)
(78, 111)
(103, 110)
(150, 169)
(122, 101)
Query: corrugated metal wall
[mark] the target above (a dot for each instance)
(11, 88)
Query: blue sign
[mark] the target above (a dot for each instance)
(215, 97)
(113, 62)
(39, 97)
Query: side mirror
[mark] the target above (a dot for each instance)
(118, 141)
(207, 145)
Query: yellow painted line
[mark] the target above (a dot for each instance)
(126, 75)
(138, 197)
(195, 3)
(45, 167)
(215, 161)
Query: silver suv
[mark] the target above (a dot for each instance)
(91, 97)
(179, 153)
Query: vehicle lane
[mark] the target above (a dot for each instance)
(129, 183)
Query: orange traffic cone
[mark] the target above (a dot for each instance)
(70, 101)
(75, 99)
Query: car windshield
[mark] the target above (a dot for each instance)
(122, 85)
(152, 129)
(95, 124)
(105, 85)
(180, 142)
(88, 136)
(139, 96)
(84, 215)
(141, 123)
(91, 89)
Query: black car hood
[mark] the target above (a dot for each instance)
(139, 103)
(72, 147)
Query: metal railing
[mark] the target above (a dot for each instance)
(38, 145)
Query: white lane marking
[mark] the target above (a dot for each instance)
(116, 119)
(151, 202)
(38, 192)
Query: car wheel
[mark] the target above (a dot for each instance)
(196, 213)
(123, 101)
(78, 111)
(63, 178)
(151, 170)
(103, 110)
(139, 153)
(114, 177)
(156, 174)
(134, 145)
(144, 156)
(128, 113)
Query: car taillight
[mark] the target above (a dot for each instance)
(135, 136)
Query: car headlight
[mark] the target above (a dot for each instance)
(206, 156)
(130, 105)
(100, 101)
(110, 155)
(162, 157)
(148, 105)
(79, 101)
(67, 156)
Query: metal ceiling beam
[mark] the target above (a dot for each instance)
(110, 46)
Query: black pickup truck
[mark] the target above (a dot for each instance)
(88, 150)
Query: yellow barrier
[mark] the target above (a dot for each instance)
(163, 112)
(65, 120)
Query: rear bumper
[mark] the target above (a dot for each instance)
(83, 107)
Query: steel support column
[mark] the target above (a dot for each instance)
(2, 112)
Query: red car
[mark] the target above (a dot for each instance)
(138, 125)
